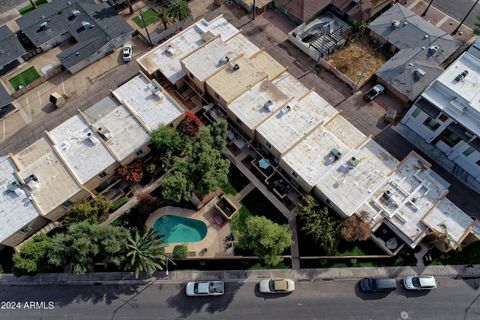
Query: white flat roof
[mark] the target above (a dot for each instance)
(16, 209)
(347, 186)
(121, 132)
(311, 159)
(288, 83)
(81, 148)
(459, 99)
(205, 61)
(284, 129)
(148, 101)
(346, 132)
(251, 107)
(240, 44)
(448, 219)
(168, 63)
(55, 184)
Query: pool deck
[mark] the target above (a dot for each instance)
(214, 241)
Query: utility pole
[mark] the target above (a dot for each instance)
(146, 28)
(465, 18)
(428, 7)
(254, 7)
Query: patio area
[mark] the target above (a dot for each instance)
(216, 243)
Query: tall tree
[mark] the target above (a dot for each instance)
(93, 211)
(146, 253)
(218, 131)
(320, 224)
(132, 172)
(176, 187)
(166, 143)
(266, 239)
(179, 10)
(164, 16)
(32, 257)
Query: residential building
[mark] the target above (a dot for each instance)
(11, 52)
(19, 215)
(95, 28)
(151, 105)
(163, 62)
(445, 121)
(419, 48)
(303, 10)
(83, 151)
(51, 185)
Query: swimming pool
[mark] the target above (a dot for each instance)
(176, 229)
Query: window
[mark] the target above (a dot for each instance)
(431, 124)
(26, 229)
(450, 138)
(239, 121)
(294, 174)
(416, 112)
(67, 204)
(469, 151)
(269, 146)
(443, 117)
(139, 153)
(102, 175)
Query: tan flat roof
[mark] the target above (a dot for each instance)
(55, 184)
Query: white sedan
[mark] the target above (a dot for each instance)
(205, 288)
(276, 286)
(419, 283)
(127, 52)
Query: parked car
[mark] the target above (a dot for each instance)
(127, 52)
(419, 283)
(276, 286)
(205, 288)
(375, 285)
(373, 92)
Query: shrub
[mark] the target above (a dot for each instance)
(355, 229)
(132, 172)
(190, 125)
(180, 251)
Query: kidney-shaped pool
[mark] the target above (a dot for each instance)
(176, 229)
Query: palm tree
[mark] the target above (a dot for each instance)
(465, 18)
(164, 16)
(145, 253)
(33, 4)
(426, 10)
(179, 10)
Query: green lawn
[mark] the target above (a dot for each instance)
(29, 7)
(468, 255)
(24, 78)
(149, 16)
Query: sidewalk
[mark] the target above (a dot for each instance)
(123, 278)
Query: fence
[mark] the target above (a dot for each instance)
(51, 73)
(157, 37)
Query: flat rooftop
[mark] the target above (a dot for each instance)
(349, 185)
(148, 102)
(295, 120)
(55, 184)
(81, 148)
(288, 83)
(240, 44)
(166, 57)
(122, 132)
(459, 99)
(346, 132)
(265, 63)
(312, 157)
(203, 62)
(16, 209)
(447, 218)
(258, 103)
(230, 84)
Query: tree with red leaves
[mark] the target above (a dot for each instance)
(132, 172)
(355, 229)
(190, 125)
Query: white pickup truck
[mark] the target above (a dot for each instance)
(205, 288)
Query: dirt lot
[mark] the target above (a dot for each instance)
(358, 60)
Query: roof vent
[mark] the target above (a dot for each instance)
(87, 25)
(234, 67)
(43, 25)
(434, 48)
(425, 36)
(223, 60)
(268, 105)
(90, 137)
(395, 24)
(170, 51)
(353, 161)
(387, 194)
(75, 13)
(418, 74)
(286, 109)
(462, 76)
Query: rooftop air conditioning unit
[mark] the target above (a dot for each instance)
(387, 194)
(462, 75)
(353, 161)
(75, 13)
(32, 184)
(170, 51)
(90, 137)
(268, 105)
(87, 25)
(13, 186)
(223, 60)
(234, 67)
(334, 155)
(105, 134)
(434, 48)
(418, 74)
(286, 109)
(395, 24)
(43, 25)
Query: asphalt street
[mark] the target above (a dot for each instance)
(458, 9)
(339, 299)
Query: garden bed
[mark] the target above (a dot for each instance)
(149, 17)
(24, 78)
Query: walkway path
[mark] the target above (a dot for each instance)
(290, 215)
(420, 254)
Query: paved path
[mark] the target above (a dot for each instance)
(334, 299)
